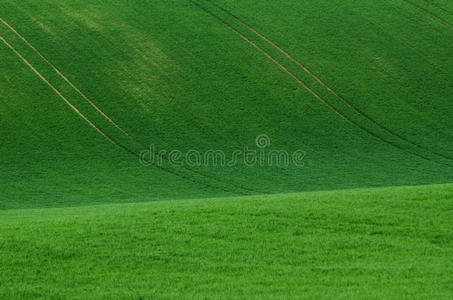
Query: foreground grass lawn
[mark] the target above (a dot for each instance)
(381, 243)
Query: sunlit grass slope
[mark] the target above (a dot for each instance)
(393, 243)
(363, 88)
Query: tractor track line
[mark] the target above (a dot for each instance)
(105, 115)
(441, 20)
(349, 104)
(64, 77)
(439, 7)
(110, 139)
(311, 91)
(272, 59)
(55, 90)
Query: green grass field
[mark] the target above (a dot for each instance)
(393, 243)
(362, 90)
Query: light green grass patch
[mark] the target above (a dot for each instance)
(393, 243)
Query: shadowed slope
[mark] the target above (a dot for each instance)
(177, 76)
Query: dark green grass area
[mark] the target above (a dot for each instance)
(175, 74)
(392, 243)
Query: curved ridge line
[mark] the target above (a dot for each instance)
(312, 92)
(65, 78)
(349, 104)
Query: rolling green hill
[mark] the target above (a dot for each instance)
(300, 128)
(363, 89)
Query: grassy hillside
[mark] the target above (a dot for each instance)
(363, 88)
(393, 243)
(361, 91)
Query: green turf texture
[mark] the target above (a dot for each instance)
(391, 243)
(363, 87)
(175, 74)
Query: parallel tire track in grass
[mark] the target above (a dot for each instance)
(439, 7)
(173, 77)
(440, 19)
(58, 92)
(321, 99)
(104, 115)
(110, 139)
(64, 77)
(337, 95)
